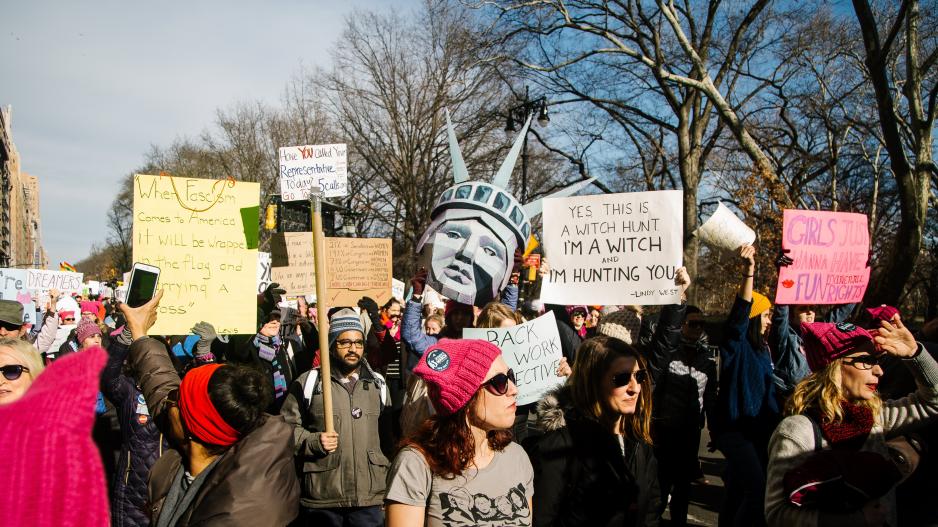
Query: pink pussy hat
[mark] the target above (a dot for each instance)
(454, 371)
(825, 342)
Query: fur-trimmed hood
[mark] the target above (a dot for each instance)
(553, 408)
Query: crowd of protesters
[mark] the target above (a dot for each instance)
(820, 422)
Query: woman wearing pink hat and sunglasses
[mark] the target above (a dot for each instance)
(461, 467)
(829, 463)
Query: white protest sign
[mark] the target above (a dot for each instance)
(94, 287)
(42, 280)
(263, 271)
(613, 248)
(13, 287)
(724, 230)
(313, 166)
(397, 289)
(532, 350)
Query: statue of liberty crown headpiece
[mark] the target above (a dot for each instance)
(492, 198)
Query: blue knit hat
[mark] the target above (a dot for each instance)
(344, 320)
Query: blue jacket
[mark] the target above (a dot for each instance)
(141, 442)
(746, 400)
(791, 365)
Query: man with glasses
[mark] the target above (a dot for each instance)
(344, 471)
(13, 323)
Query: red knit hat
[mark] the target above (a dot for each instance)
(85, 329)
(454, 371)
(883, 312)
(825, 342)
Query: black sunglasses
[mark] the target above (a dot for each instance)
(865, 362)
(9, 326)
(498, 385)
(13, 371)
(621, 379)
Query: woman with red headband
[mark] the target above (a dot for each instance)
(232, 464)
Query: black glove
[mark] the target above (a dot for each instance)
(368, 305)
(419, 281)
(271, 297)
(783, 259)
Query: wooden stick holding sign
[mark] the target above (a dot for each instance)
(319, 252)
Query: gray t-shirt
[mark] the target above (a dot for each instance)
(495, 496)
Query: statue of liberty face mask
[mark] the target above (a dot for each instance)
(475, 229)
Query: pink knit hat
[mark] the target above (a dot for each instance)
(883, 312)
(825, 342)
(86, 328)
(454, 371)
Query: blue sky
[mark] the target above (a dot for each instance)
(94, 84)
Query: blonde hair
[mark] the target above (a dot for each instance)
(494, 313)
(27, 354)
(823, 392)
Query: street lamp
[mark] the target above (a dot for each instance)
(519, 113)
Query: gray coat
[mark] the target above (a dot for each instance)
(354, 474)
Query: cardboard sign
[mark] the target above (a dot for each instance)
(725, 231)
(42, 280)
(532, 350)
(355, 267)
(202, 234)
(358, 267)
(613, 248)
(830, 251)
(263, 271)
(313, 166)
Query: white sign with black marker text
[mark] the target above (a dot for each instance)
(313, 166)
(613, 248)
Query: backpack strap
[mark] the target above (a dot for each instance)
(382, 388)
(309, 387)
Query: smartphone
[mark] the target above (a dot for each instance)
(143, 280)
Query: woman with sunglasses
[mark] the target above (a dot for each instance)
(838, 408)
(20, 364)
(460, 468)
(594, 465)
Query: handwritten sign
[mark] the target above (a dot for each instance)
(397, 288)
(313, 166)
(13, 284)
(532, 350)
(724, 230)
(613, 248)
(42, 280)
(199, 232)
(355, 267)
(830, 251)
(263, 271)
(358, 267)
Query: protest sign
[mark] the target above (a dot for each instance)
(397, 289)
(313, 166)
(13, 284)
(42, 280)
(358, 267)
(292, 264)
(532, 350)
(355, 267)
(202, 234)
(613, 248)
(263, 271)
(723, 230)
(830, 251)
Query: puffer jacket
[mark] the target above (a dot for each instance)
(252, 483)
(582, 478)
(791, 365)
(141, 441)
(354, 474)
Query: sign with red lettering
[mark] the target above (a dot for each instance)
(830, 251)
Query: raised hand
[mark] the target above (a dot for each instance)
(141, 319)
(419, 281)
(895, 339)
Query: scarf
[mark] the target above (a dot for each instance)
(850, 432)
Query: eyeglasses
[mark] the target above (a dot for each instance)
(13, 371)
(9, 326)
(394, 316)
(865, 362)
(69, 319)
(498, 385)
(622, 379)
(345, 344)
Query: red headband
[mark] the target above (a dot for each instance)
(198, 412)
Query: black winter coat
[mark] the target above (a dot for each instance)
(141, 441)
(582, 478)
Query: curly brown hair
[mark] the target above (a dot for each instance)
(447, 444)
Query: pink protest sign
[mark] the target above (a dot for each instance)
(830, 251)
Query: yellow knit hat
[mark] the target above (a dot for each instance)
(760, 304)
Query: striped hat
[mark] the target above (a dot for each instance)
(345, 319)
